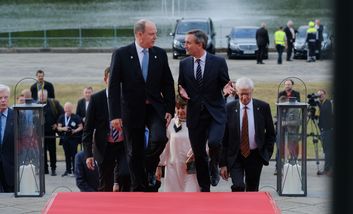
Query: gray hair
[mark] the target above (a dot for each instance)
(263, 24)
(4, 88)
(290, 23)
(244, 83)
(140, 25)
(200, 37)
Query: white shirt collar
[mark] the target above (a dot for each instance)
(249, 105)
(139, 49)
(202, 58)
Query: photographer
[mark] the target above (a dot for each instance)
(69, 126)
(326, 128)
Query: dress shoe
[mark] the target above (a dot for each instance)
(214, 175)
(66, 173)
(53, 173)
(289, 60)
(46, 171)
(321, 172)
(275, 172)
(262, 63)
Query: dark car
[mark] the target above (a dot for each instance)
(301, 48)
(242, 42)
(183, 26)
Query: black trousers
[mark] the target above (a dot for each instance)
(249, 167)
(114, 168)
(143, 162)
(4, 185)
(279, 49)
(50, 146)
(212, 132)
(289, 50)
(70, 150)
(260, 53)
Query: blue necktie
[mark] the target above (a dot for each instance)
(115, 134)
(145, 63)
(199, 73)
(1, 128)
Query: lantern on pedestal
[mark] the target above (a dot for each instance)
(29, 149)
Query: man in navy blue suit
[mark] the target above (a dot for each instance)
(7, 170)
(203, 81)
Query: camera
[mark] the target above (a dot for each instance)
(313, 99)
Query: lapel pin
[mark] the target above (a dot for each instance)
(258, 108)
(131, 57)
(155, 57)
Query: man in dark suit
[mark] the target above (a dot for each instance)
(288, 90)
(141, 94)
(248, 140)
(108, 152)
(7, 171)
(202, 77)
(290, 34)
(262, 42)
(320, 29)
(82, 104)
(42, 84)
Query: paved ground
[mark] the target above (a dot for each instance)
(317, 200)
(88, 68)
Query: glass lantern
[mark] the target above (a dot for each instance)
(29, 150)
(291, 142)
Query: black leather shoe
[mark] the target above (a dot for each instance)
(321, 172)
(65, 174)
(214, 175)
(46, 171)
(53, 173)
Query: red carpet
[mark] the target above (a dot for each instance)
(158, 203)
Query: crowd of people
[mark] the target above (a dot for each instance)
(284, 39)
(137, 130)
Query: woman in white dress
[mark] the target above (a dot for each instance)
(176, 153)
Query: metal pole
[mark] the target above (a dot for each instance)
(9, 44)
(45, 42)
(80, 37)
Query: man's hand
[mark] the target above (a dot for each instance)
(228, 88)
(117, 124)
(90, 163)
(183, 93)
(167, 118)
(158, 173)
(224, 173)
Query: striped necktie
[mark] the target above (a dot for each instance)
(199, 73)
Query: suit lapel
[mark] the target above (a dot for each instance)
(236, 112)
(9, 125)
(153, 58)
(256, 109)
(135, 62)
(208, 65)
(190, 67)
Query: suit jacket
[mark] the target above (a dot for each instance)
(96, 130)
(295, 94)
(289, 35)
(326, 115)
(128, 91)
(211, 94)
(7, 149)
(86, 179)
(47, 85)
(262, 38)
(264, 132)
(81, 108)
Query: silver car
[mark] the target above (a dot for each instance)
(242, 42)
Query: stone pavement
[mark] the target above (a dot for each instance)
(88, 68)
(317, 201)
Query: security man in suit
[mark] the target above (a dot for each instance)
(203, 81)
(141, 94)
(101, 146)
(7, 170)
